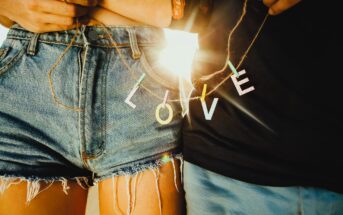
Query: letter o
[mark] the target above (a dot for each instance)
(170, 116)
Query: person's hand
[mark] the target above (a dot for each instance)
(42, 15)
(100, 15)
(88, 3)
(6, 22)
(278, 6)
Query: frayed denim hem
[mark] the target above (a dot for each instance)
(36, 185)
(133, 174)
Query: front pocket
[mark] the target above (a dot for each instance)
(3, 52)
(11, 54)
(159, 73)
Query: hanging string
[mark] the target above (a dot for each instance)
(53, 68)
(244, 56)
(239, 21)
(228, 56)
(123, 60)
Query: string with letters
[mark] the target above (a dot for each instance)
(165, 98)
(227, 64)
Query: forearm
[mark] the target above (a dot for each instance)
(152, 12)
(100, 15)
(3, 18)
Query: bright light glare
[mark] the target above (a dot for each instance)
(177, 57)
(179, 52)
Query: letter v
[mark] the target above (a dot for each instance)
(209, 114)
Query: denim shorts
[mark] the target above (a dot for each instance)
(65, 105)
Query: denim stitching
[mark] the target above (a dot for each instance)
(144, 166)
(104, 107)
(32, 47)
(149, 70)
(51, 84)
(136, 54)
(3, 52)
(85, 156)
(13, 60)
(103, 128)
(83, 96)
(119, 45)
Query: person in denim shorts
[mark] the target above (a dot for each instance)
(83, 106)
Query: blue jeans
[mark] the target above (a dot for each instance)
(64, 112)
(208, 193)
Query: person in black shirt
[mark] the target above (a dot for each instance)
(273, 142)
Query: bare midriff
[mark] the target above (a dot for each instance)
(108, 18)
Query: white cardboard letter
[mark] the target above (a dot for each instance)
(128, 99)
(209, 114)
(239, 83)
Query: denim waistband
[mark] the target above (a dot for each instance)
(123, 36)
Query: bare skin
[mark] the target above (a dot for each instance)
(6, 22)
(55, 15)
(42, 15)
(113, 193)
(52, 201)
(278, 6)
(113, 196)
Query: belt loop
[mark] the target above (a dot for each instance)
(136, 53)
(32, 48)
(84, 37)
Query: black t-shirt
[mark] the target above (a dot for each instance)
(287, 130)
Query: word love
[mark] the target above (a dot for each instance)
(238, 84)
(208, 113)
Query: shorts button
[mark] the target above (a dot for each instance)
(92, 35)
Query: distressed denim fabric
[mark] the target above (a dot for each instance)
(68, 118)
(208, 193)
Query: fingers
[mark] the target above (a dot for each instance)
(53, 27)
(51, 15)
(49, 27)
(46, 18)
(278, 6)
(269, 3)
(281, 6)
(57, 8)
(6, 22)
(43, 27)
(46, 15)
(88, 3)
